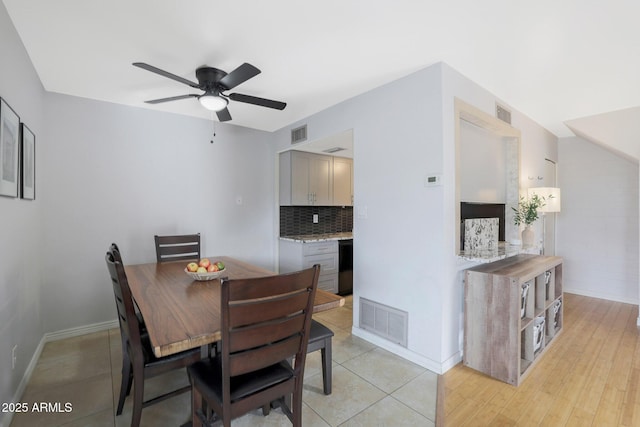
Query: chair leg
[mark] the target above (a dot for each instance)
(326, 366)
(296, 407)
(196, 407)
(125, 384)
(266, 409)
(138, 396)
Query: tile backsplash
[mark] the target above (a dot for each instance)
(298, 220)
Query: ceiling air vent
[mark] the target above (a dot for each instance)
(299, 134)
(503, 114)
(333, 150)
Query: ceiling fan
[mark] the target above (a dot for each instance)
(214, 82)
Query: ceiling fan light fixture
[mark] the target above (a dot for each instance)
(213, 102)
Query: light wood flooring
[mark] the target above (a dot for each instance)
(590, 376)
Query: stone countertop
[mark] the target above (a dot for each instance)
(304, 238)
(504, 250)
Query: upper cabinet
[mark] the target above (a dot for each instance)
(310, 179)
(305, 179)
(342, 181)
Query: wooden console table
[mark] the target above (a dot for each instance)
(512, 313)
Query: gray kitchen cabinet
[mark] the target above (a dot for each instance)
(342, 181)
(306, 179)
(296, 256)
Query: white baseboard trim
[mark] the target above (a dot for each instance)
(81, 330)
(48, 337)
(452, 361)
(600, 295)
(403, 352)
(25, 380)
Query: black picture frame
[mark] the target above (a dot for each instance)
(28, 160)
(9, 150)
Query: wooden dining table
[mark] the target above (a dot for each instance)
(181, 313)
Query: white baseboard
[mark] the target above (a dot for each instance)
(49, 337)
(599, 295)
(81, 330)
(602, 296)
(398, 350)
(451, 362)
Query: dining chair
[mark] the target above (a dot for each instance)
(265, 321)
(320, 339)
(138, 361)
(118, 257)
(177, 247)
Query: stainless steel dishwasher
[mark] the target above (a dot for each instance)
(345, 267)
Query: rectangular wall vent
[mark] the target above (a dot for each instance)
(503, 114)
(299, 134)
(333, 150)
(384, 321)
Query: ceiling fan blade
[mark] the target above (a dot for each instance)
(258, 101)
(172, 98)
(223, 115)
(165, 74)
(239, 75)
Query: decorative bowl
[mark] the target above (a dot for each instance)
(205, 276)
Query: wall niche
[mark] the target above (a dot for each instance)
(487, 163)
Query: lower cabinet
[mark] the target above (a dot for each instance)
(296, 256)
(512, 314)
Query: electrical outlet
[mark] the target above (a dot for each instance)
(315, 218)
(13, 357)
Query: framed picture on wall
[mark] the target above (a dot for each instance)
(9, 150)
(28, 156)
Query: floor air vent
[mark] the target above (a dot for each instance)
(299, 134)
(384, 321)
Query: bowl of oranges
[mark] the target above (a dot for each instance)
(205, 269)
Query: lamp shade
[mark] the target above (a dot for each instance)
(551, 197)
(213, 102)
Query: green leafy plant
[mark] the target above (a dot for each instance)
(527, 211)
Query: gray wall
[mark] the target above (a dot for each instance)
(404, 232)
(597, 230)
(109, 173)
(398, 236)
(20, 223)
(122, 174)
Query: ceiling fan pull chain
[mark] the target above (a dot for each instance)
(214, 130)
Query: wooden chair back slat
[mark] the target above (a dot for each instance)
(258, 358)
(269, 286)
(254, 336)
(267, 309)
(178, 247)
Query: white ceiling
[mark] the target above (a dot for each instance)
(552, 60)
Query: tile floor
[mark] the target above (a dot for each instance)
(371, 386)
